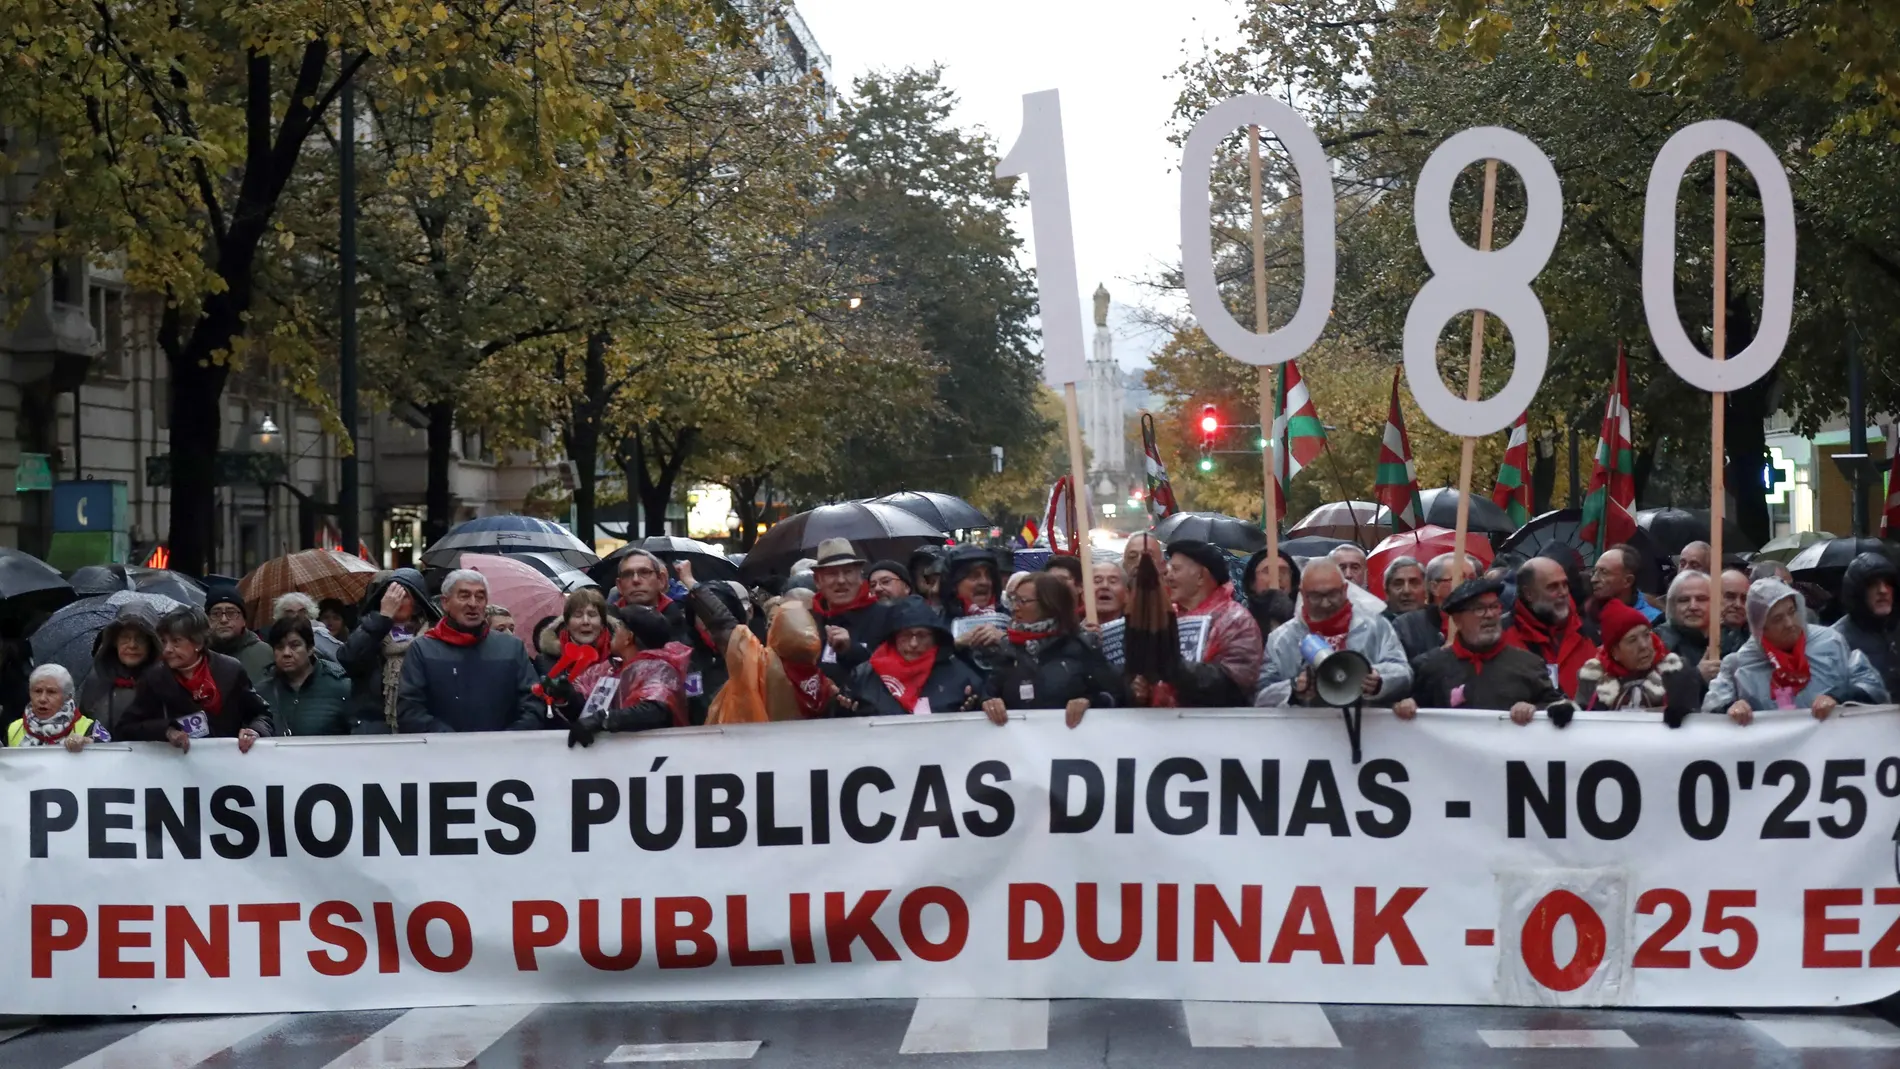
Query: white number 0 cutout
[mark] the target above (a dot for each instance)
(1659, 256)
(1498, 281)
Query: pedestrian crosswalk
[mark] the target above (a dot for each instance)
(1035, 1031)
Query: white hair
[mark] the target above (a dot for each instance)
(463, 575)
(55, 672)
(1675, 590)
(1347, 547)
(290, 603)
(1440, 567)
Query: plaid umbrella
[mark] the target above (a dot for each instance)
(320, 573)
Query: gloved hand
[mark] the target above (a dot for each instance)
(1561, 712)
(583, 731)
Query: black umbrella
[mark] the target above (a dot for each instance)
(945, 512)
(1672, 528)
(1558, 535)
(29, 585)
(709, 562)
(112, 578)
(67, 636)
(875, 531)
(1825, 563)
(1310, 546)
(1227, 532)
(1441, 507)
(505, 535)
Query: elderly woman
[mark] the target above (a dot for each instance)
(1788, 663)
(307, 694)
(51, 717)
(576, 655)
(1633, 670)
(194, 692)
(127, 646)
(303, 607)
(1046, 664)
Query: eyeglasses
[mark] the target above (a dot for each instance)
(226, 612)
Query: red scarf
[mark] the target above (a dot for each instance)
(1475, 658)
(1791, 666)
(661, 605)
(203, 689)
(971, 608)
(864, 599)
(1616, 669)
(1334, 627)
(125, 682)
(1537, 635)
(904, 679)
(810, 688)
(455, 636)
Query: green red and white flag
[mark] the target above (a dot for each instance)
(1513, 491)
(1298, 434)
(1890, 515)
(1609, 507)
(1397, 486)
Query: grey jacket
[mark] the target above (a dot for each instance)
(1834, 669)
(488, 686)
(1370, 634)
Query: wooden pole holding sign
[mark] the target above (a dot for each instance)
(1269, 398)
(1079, 493)
(1474, 385)
(1717, 412)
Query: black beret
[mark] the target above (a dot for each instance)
(1471, 590)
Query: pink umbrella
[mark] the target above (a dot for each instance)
(520, 588)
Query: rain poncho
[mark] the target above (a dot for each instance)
(1834, 668)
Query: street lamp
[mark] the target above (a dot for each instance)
(266, 437)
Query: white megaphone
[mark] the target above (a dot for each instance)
(1339, 678)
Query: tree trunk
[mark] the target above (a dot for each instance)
(435, 498)
(581, 435)
(747, 506)
(1745, 437)
(197, 417)
(1543, 472)
(1645, 464)
(664, 455)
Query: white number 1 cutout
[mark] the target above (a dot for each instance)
(1039, 155)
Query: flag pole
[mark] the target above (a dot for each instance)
(1078, 493)
(1474, 385)
(1717, 413)
(1269, 397)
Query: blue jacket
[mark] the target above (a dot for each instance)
(488, 686)
(1834, 668)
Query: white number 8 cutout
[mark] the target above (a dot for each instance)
(1498, 281)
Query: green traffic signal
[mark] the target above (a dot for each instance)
(1207, 463)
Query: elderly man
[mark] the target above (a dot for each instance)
(1694, 558)
(1424, 629)
(1735, 582)
(1788, 663)
(1327, 612)
(462, 676)
(1776, 570)
(1614, 579)
(1142, 544)
(847, 609)
(641, 579)
(1870, 625)
(890, 581)
(1546, 622)
(1686, 631)
(1110, 592)
(1352, 564)
(231, 636)
(1226, 668)
(1479, 670)
(1404, 582)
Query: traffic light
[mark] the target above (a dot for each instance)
(1210, 424)
(1207, 463)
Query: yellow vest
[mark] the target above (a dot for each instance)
(16, 731)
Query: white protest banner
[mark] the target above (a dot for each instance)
(1146, 854)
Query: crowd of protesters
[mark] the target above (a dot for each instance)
(948, 630)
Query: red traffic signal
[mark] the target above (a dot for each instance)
(1210, 420)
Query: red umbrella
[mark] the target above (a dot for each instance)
(529, 596)
(1422, 545)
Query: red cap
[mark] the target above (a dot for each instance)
(1616, 620)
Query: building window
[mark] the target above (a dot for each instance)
(106, 309)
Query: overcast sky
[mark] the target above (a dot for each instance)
(1112, 60)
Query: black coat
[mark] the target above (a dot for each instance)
(1420, 631)
(953, 686)
(1673, 687)
(160, 700)
(1066, 668)
(866, 627)
(361, 657)
(1876, 637)
(1513, 676)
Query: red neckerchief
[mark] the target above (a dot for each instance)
(1617, 671)
(662, 603)
(203, 689)
(1791, 666)
(904, 679)
(455, 636)
(125, 682)
(1537, 635)
(861, 600)
(1475, 658)
(971, 608)
(1334, 626)
(810, 688)
(1024, 638)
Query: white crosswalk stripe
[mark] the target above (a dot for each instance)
(1258, 1024)
(1555, 1038)
(1806, 1031)
(730, 1050)
(962, 1025)
(435, 1038)
(177, 1044)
